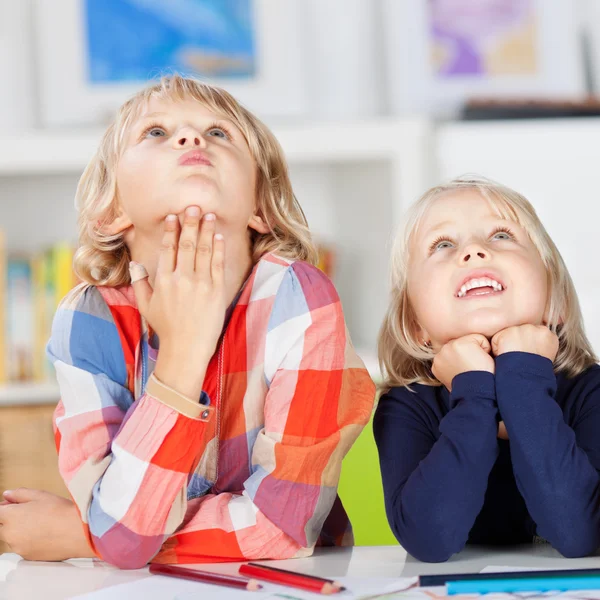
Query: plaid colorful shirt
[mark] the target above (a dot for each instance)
(248, 472)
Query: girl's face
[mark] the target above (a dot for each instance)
(180, 154)
(470, 271)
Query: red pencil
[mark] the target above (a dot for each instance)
(206, 577)
(289, 578)
(315, 577)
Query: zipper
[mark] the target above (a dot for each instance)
(218, 427)
(218, 405)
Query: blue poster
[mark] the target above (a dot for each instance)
(137, 40)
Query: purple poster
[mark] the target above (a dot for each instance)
(483, 37)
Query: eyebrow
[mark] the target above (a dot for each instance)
(153, 115)
(447, 223)
(437, 227)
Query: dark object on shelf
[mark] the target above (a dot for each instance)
(479, 110)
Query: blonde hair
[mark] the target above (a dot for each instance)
(405, 360)
(103, 259)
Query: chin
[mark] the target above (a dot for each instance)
(194, 195)
(487, 325)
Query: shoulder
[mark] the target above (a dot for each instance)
(276, 276)
(415, 393)
(296, 291)
(579, 390)
(84, 333)
(422, 402)
(82, 305)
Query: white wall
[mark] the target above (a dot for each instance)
(555, 165)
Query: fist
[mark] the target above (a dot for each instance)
(535, 339)
(468, 353)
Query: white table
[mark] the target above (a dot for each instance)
(23, 580)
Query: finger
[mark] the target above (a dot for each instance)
(205, 246)
(168, 247)
(141, 286)
(137, 271)
(495, 343)
(218, 260)
(21, 495)
(483, 342)
(186, 251)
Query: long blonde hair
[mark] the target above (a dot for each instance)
(104, 259)
(402, 356)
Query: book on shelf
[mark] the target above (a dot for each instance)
(327, 258)
(31, 287)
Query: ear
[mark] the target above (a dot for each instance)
(255, 222)
(118, 225)
(423, 336)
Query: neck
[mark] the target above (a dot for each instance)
(238, 260)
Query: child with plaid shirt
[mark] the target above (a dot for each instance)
(227, 443)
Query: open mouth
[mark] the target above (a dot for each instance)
(480, 286)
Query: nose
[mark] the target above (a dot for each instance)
(474, 253)
(187, 137)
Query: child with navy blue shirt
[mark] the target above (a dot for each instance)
(489, 428)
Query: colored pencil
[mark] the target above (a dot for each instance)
(436, 580)
(206, 577)
(291, 579)
(533, 584)
(315, 577)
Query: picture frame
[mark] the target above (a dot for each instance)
(553, 69)
(69, 99)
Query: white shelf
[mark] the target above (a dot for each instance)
(20, 394)
(538, 139)
(65, 151)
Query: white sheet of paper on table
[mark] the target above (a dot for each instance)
(172, 588)
(513, 569)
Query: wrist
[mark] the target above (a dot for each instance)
(481, 384)
(82, 549)
(77, 545)
(183, 373)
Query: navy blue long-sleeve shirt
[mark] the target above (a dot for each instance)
(448, 480)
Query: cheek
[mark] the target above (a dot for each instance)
(534, 287)
(241, 177)
(134, 179)
(425, 297)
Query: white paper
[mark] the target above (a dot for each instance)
(171, 588)
(495, 569)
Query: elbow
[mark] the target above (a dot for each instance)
(576, 547)
(573, 540)
(127, 551)
(431, 544)
(125, 561)
(431, 555)
(428, 533)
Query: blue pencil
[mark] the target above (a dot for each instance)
(533, 584)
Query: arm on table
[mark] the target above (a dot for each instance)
(556, 466)
(434, 490)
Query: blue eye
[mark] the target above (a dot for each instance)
(218, 132)
(155, 132)
(440, 244)
(502, 235)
